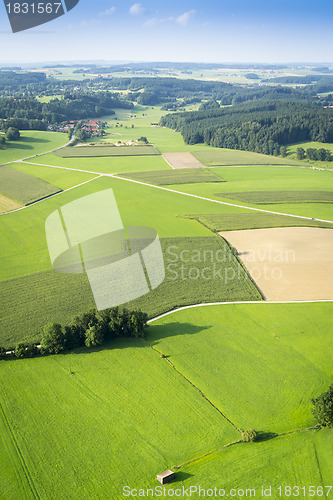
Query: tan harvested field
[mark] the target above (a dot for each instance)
(287, 263)
(7, 204)
(182, 160)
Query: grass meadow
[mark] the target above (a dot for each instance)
(107, 165)
(292, 150)
(84, 424)
(22, 234)
(121, 417)
(221, 156)
(22, 187)
(31, 143)
(63, 179)
(175, 176)
(261, 363)
(98, 151)
(252, 220)
(272, 197)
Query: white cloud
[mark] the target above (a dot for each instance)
(108, 12)
(90, 22)
(183, 20)
(154, 21)
(136, 9)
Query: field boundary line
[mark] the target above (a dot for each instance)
(218, 450)
(55, 166)
(173, 168)
(274, 165)
(217, 201)
(196, 388)
(183, 308)
(19, 454)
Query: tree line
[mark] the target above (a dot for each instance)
(261, 126)
(91, 329)
(315, 154)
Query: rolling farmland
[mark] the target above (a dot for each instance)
(84, 423)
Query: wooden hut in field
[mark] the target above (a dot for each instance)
(166, 477)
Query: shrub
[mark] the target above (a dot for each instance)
(249, 436)
(323, 408)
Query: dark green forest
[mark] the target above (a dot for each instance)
(260, 126)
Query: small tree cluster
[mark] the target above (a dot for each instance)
(323, 408)
(314, 154)
(249, 436)
(93, 329)
(88, 330)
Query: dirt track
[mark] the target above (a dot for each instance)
(293, 263)
(182, 160)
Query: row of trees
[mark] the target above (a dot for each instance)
(261, 126)
(88, 330)
(314, 154)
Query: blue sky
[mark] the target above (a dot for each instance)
(183, 30)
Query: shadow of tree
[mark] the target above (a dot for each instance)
(266, 436)
(158, 332)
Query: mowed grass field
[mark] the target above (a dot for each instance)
(122, 417)
(107, 165)
(130, 415)
(269, 197)
(267, 179)
(180, 176)
(31, 143)
(96, 151)
(22, 187)
(197, 269)
(63, 179)
(23, 244)
(252, 220)
(221, 156)
(260, 363)
(292, 152)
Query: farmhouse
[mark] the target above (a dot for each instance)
(166, 477)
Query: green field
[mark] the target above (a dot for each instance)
(220, 156)
(272, 197)
(82, 425)
(22, 187)
(31, 143)
(63, 179)
(316, 145)
(86, 435)
(97, 151)
(190, 264)
(132, 415)
(25, 252)
(259, 363)
(180, 176)
(252, 220)
(107, 165)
